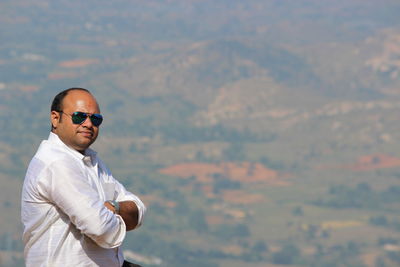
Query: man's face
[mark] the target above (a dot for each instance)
(77, 136)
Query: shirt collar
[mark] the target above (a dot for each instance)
(89, 156)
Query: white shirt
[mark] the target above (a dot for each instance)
(63, 213)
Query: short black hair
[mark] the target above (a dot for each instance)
(56, 105)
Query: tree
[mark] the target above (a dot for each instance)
(260, 247)
(287, 255)
(197, 221)
(297, 211)
(235, 152)
(379, 220)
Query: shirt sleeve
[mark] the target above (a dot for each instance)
(121, 194)
(124, 195)
(67, 187)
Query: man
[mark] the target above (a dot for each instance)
(73, 210)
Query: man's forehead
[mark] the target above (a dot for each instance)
(79, 98)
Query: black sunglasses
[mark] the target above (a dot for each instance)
(79, 117)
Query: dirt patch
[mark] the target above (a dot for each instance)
(232, 250)
(366, 163)
(369, 259)
(245, 172)
(149, 200)
(376, 161)
(29, 88)
(340, 224)
(62, 75)
(214, 219)
(240, 197)
(78, 63)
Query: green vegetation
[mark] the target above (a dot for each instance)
(362, 196)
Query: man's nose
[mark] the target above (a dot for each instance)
(87, 123)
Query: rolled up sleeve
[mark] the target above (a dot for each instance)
(124, 195)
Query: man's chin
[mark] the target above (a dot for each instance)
(85, 143)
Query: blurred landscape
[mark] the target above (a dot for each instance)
(258, 133)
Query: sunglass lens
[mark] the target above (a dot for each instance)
(96, 119)
(78, 117)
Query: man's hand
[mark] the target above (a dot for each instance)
(109, 206)
(128, 211)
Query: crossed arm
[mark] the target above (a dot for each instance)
(128, 211)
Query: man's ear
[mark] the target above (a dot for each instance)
(54, 118)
